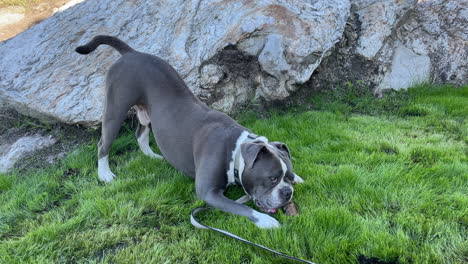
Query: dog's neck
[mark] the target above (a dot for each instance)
(237, 164)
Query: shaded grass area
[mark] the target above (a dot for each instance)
(386, 181)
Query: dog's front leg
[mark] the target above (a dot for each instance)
(217, 199)
(210, 188)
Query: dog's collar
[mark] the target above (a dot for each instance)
(236, 166)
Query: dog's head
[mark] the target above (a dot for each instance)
(268, 174)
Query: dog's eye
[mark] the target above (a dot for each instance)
(274, 179)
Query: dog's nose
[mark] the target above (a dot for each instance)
(286, 193)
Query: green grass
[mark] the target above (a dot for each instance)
(385, 180)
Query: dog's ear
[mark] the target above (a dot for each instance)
(252, 151)
(281, 147)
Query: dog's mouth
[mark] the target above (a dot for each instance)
(265, 209)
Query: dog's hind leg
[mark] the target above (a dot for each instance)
(143, 131)
(110, 129)
(114, 114)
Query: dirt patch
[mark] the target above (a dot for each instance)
(34, 13)
(373, 260)
(236, 65)
(14, 126)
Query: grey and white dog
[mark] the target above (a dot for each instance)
(205, 144)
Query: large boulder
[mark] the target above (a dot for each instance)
(396, 44)
(228, 52)
(234, 52)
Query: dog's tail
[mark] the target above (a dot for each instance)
(114, 42)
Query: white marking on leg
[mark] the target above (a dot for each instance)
(297, 179)
(265, 221)
(143, 142)
(104, 172)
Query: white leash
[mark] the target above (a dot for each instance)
(235, 175)
(197, 224)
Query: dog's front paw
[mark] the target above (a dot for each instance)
(265, 221)
(106, 175)
(297, 179)
(104, 172)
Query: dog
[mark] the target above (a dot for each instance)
(205, 144)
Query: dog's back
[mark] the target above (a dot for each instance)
(154, 86)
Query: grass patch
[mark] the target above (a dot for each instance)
(386, 181)
(25, 3)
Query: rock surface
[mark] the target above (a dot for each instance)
(256, 49)
(231, 53)
(407, 69)
(377, 20)
(9, 155)
(437, 30)
(396, 44)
